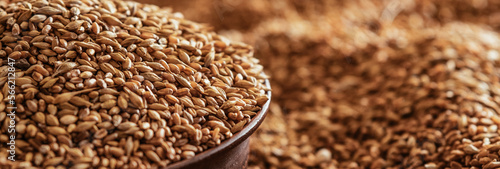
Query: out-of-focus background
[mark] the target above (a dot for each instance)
(329, 60)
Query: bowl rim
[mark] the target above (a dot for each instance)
(234, 141)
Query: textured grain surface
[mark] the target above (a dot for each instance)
(115, 84)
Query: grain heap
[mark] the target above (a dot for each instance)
(117, 84)
(371, 94)
(429, 103)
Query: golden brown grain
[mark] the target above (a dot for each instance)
(98, 80)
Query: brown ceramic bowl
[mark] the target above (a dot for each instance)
(230, 154)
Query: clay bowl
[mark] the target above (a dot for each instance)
(230, 154)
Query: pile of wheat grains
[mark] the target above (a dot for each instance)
(118, 84)
(375, 86)
(357, 84)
